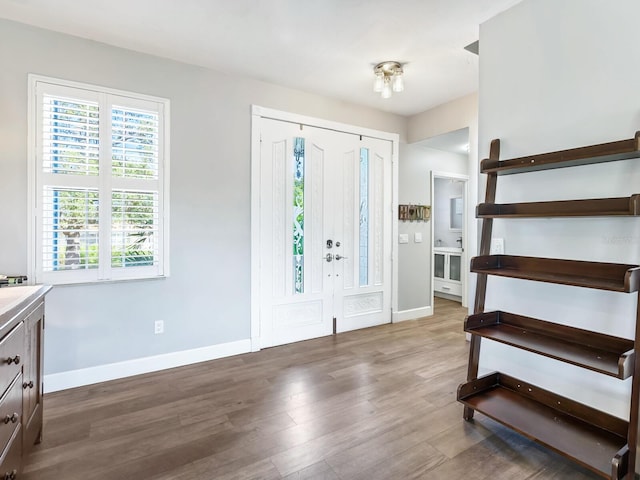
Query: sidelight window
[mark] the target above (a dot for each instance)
(364, 217)
(298, 214)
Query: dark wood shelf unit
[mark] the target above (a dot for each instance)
(604, 152)
(599, 207)
(596, 440)
(591, 350)
(615, 277)
(603, 443)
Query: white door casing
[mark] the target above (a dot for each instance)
(280, 313)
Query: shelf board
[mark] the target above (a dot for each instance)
(621, 206)
(604, 152)
(594, 351)
(561, 424)
(604, 276)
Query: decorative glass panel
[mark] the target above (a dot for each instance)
(70, 136)
(298, 214)
(134, 230)
(70, 229)
(364, 217)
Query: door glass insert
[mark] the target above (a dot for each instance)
(364, 216)
(454, 267)
(438, 268)
(298, 214)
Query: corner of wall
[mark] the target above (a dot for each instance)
(450, 116)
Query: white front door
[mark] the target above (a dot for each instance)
(325, 232)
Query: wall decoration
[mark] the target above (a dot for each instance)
(403, 212)
(411, 213)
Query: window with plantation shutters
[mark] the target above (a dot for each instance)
(100, 184)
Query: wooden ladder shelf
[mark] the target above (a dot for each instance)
(596, 440)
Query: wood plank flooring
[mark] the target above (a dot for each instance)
(373, 404)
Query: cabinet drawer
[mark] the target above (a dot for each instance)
(444, 286)
(11, 461)
(11, 352)
(10, 412)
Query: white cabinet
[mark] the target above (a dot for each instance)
(447, 271)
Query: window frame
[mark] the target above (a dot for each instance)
(106, 183)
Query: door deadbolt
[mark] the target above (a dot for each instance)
(329, 243)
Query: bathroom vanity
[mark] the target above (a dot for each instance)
(447, 270)
(21, 335)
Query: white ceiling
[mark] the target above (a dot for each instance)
(326, 47)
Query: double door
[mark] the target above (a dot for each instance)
(325, 232)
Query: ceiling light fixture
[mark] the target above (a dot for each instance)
(388, 78)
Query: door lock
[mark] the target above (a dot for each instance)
(329, 243)
(328, 257)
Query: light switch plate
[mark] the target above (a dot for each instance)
(403, 238)
(417, 237)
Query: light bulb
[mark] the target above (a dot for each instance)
(378, 83)
(386, 89)
(398, 82)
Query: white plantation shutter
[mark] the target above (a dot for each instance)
(135, 136)
(134, 232)
(100, 184)
(70, 136)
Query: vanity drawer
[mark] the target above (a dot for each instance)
(11, 351)
(445, 286)
(11, 461)
(10, 412)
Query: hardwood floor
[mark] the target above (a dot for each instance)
(377, 403)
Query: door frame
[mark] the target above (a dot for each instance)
(465, 231)
(258, 112)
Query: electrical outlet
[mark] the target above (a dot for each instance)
(497, 246)
(158, 327)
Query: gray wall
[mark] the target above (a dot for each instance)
(445, 118)
(206, 301)
(556, 75)
(416, 164)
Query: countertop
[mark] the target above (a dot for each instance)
(11, 297)
(447, 249)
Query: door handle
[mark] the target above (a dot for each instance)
(328, 257)
(340, 257)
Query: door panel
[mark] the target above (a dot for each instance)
(311, 193)
(363, 299)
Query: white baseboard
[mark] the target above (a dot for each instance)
(411, 314)
(112, 371)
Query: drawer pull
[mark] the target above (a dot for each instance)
(11, 418)
(26, 385)
(12, 475)
(15, 360)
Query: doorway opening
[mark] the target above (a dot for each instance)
(449, 194)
